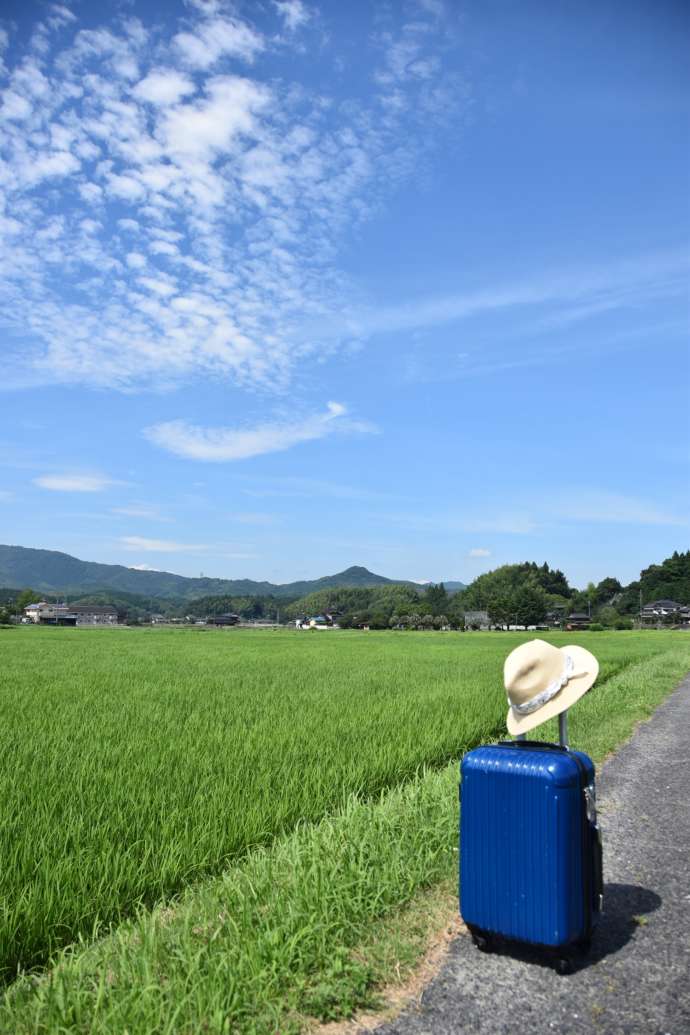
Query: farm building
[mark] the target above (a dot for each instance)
(43, 613)
(226, 619)
(477, 620)
(658, 610)
(327, 621)
(577, 620)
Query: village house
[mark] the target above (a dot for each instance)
(226, 619)
(325, 621)
(656, 611)
(477, 620)
(577, 620)
(43, 613)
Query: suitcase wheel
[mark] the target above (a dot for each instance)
(482, 941)
(564, 965)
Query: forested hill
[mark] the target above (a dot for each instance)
(669, 580)
(49, 571)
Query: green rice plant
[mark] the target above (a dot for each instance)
(274, 939)
(140, 761)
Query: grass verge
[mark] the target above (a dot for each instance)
(283, 935)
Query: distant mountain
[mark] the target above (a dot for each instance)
(49, 571)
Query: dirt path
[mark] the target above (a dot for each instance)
(637, 977)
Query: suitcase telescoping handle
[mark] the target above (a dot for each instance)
(562, 731)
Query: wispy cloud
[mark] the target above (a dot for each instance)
(505, 522)
(618, 284)
(172, 212)
(75, 482)
(597, 505)
(146, 511)
(479, 551)
(293, 12)
(223, 444)
(254, 518)
(315, 488)
(137, 542)
(574, 504)
(6, 496)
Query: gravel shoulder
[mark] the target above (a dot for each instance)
(637, 977)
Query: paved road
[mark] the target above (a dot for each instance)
(637, 977)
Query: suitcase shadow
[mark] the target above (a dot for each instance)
(625, 910)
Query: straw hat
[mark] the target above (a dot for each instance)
(543, 680)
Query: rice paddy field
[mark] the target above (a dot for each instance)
(198, 828)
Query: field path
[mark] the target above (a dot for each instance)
(636, 979)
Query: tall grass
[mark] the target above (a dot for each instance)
(138, 761)
(271, 939)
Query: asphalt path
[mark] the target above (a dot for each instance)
(636, 979)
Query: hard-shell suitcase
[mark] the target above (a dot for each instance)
(530, 846)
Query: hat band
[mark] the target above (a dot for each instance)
(546, 695)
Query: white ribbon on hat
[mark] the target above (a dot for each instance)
(552, 689)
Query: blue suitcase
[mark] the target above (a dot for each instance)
(530, 847)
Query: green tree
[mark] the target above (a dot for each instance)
(607, 589)
(26, 597)
(501, 608)
(508, 579)
(435, 599)
(608, 616)
(530, 606)
(378, 620)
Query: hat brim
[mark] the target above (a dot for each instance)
(586, 668)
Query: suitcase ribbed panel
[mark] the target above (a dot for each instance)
(521, 844)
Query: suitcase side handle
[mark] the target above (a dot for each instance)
(531, 744)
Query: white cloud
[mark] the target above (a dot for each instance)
(142, 567)
(217, 38)
(164, 86)
(14, 106)
(293, 12)
(74, 482)
(479, 551)
(253, 181)
(136, 542)
(62, 13)
(223, 444)
(210, 125)
(135, 260)
(6, 496)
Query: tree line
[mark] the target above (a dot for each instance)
(513, 594)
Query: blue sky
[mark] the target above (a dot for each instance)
(286, 287)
